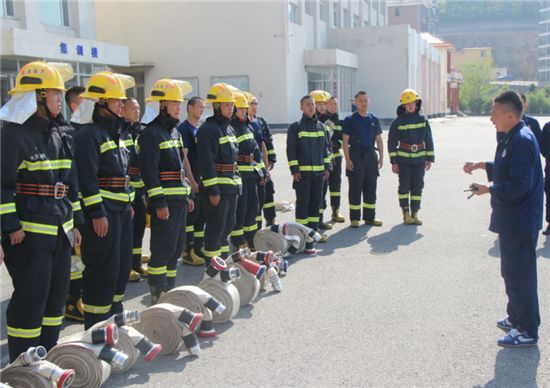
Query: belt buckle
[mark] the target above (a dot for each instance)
(182, 175)
(414, 147)
(235, 167)
(56, 194)
(126, 182)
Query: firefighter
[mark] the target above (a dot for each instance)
(39, 207)
(163, 172)
(253, 174)
(217, 151)
(192, 254)
(321, 98)
(264, 138)
(411, 150)
(334, 122)
(133, 130)
(103, 163)
(310, 165)
(360, 132)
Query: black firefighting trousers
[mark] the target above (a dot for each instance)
(308, 200)
(266, 195)
(195, 226)
(362, 183)
(140, 219)
(411, 183)
(220, 221)
(248, 208)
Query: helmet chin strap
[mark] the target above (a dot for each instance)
(105, 106)
(43, 101)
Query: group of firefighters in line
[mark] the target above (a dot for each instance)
(90, 183)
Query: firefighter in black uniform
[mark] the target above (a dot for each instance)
(334, 122)
(217, 151)
(253, 174)
(310, 165)
(38, 195)
(103, 164)
(264, 138)
(133, 129)
(411, 150)
(163, 171)
(360, 132)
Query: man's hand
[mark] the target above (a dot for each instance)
(297, 177)
(17, 237)
(195, 187)
(472, 166)
(191, 206)
(77, 237)
(380, 163)
(270, 165)
(163, 213)
(395, 168)
(349, 165)
(215, 200)
(1, 255)
(327, 174)
(428, 166)
(481, 189)
(133, 212)
(101, 226)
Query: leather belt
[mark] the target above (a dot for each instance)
(58, 191)
(412, 147)
(115, 182)
(172, 175)
(226, 167)
(134, 171)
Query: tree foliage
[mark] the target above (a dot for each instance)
(458, 11)
(477, 92)
(538, 102)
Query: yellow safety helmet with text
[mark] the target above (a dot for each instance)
(220, 92)
(108, 85)
(408, 96)
(250, 97)
(41, 75)
(167, 89)
(320, 96)
(240, 100)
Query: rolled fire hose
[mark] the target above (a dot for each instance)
(271, 259)
(95, 335)
(267, 240)
(171, 326)
(247, 285)
(91, 363)
(197, 300)
(217, 282)
(30, 370)
(295, 229)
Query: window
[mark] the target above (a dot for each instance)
(346, 18)
(542, 64)
(542, 52)
(292, 12)
(397, 11)
(335, 14)
(7, 8)
(308, 7)
(339, 81)
(542, 76)
(322, 9)
(54, 12)
(355, 21)
(542, 40)
(483, 54)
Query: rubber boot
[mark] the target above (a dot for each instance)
(416, 220)
(142, 271)
(250, 245)
(73, 307)
(156, 293)
(134, 276)
(323, 238)
(187, 251)
(145, 259)
(190, 257)
(271, 222)
(336, 216)
(324, 226)
(407, 219)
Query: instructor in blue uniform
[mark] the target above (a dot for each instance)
(516, 199)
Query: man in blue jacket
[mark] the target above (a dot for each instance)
(516, 199)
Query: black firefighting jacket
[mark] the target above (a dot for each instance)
(131, 133)
(103, 162)
(410, 139)
(37, 156)
(268, 139)
(217, 151)
(161, 163)
(334, 122)
(307, 147)
(249, 160)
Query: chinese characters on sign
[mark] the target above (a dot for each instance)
(80, 50)
(63, 49)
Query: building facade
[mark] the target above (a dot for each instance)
(544, 43)
(53, 31)
(421, 15)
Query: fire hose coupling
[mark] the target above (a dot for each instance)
(193, 320)
(281, 264)
(215, 306)
(274, 279)
(314, 235)
(31, 357)
(254, 268)
(95, 335)
(207, 329)
(191, 343)
(127, 318)
(113, 357)
(218, 270)
(148, 349)
(62, 378)
(240, 255)
(217, 264)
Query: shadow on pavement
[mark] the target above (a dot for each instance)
(545, 250)
(495, 250)
(345, 238)
(399, 235)
(515, 368)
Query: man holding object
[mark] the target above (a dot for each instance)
(516, 200)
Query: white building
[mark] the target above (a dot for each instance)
(544, 43)
(277, 50)
(54, 31)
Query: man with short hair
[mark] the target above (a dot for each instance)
(72, 97)
(360, 131)
(334, 122)
(516, 200)
(530, 122)
(310, 165)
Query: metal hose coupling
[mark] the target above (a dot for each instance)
(265, 258)
(218, 270)
(281, 265)
(95, 335)
(32, 356)
(112, 356)
(191, 343)
(126, 318)
(254, 268)
(240, 255)
(62, 378)
(274, 279)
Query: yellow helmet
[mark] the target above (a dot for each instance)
(320, 96)
(241, 100)
(250, 97)
(220, 92)
(170, 90)
(408, 96)
(108, 85)
(42, 75)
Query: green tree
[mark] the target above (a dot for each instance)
(538, 102)
(476, 92)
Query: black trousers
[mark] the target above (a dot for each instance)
(519, 269)
(40, 280)
(167, 243)
(140, 217)
(547, 191)
(248, 207)
(411, 183)
(195, 225)
(309, 191)
(108, 263)
(220, 221)
(362, 183)
(335, 182)
(266, 195)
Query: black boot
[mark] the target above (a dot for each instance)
(156, 293)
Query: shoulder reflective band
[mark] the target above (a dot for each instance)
(155, 191)
(92, 200)
(47, 321)
(411, 126)
(108, 145)
(96, 309)
(24, 333)
(247, 136)
(123, 197)
(32, 227)
(227, 139)
(7, 208)
(46, 165)
(311, 134)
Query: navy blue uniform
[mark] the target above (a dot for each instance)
(266, 193)
(362, 132)
(545, 151)
(334, 123)
(517, 203)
